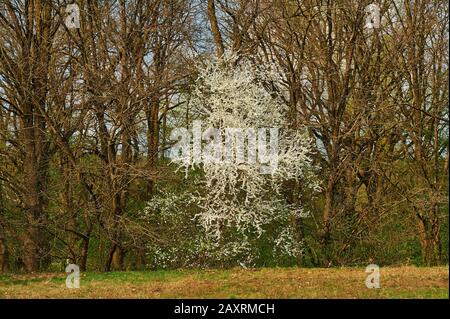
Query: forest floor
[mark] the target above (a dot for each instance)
(395, 282)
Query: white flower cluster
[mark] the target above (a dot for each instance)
(225, 218)
(186, 244)
(231, 94)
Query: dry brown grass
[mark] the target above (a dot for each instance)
(396, 282)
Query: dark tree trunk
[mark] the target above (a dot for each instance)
(430, 239)
(4, 255)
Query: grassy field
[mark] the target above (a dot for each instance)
(396, 282)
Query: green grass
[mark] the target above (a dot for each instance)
(396, 282)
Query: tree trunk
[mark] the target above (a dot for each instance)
(115, 259)
(84, 254)
(152, 142)
(3, 248)
(215, 28)
(118, 259)
(327, 216)
(430, 239)
(36, 245)
(3, 254)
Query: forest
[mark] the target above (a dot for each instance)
(113, 116)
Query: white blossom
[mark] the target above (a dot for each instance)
(230, 94)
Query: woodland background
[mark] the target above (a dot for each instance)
(85, 116)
